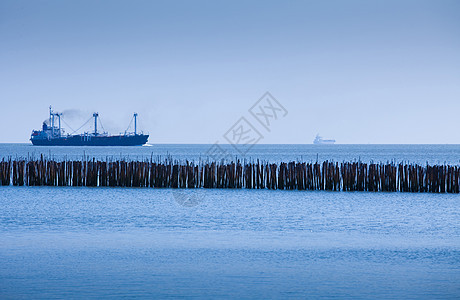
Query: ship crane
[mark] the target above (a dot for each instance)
(95, 115)
(52, 115)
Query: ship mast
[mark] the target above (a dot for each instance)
(95, 115)
(52, 115)
(51, 112)
(135, 123)
(59, 118)
(52, 122)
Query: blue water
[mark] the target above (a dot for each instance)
(433, 154)
(141, 242)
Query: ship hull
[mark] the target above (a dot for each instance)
(324, 143)
(79, 140)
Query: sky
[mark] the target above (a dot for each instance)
(379, 72)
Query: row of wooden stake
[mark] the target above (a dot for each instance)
(330, 176)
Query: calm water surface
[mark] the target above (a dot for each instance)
(433, 154)
(135, 242)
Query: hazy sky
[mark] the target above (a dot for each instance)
(356, 71)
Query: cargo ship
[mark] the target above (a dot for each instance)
(320, 141)
(53, 134)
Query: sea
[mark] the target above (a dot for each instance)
(101, 242)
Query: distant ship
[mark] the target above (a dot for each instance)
(52, 135)
(320, 141)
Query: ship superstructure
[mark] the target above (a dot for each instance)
(53, 134)
(320, 141)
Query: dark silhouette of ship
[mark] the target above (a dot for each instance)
(52, 135)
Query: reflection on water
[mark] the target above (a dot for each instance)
(108, 242)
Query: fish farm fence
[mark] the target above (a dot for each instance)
(315, 176)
